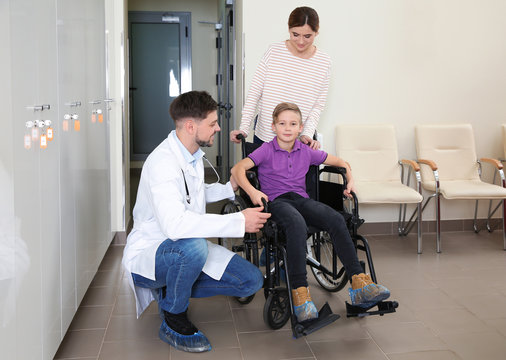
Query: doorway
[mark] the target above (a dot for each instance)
(225, 82)
(160, 69)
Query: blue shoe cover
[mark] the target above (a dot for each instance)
(190, 343)
(306, 311)
(369, 295)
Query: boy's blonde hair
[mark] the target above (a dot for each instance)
(285, 106)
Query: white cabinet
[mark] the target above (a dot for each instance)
(55, 211)
(84, 175)
(35, 174)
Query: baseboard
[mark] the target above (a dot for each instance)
(390, 228)
(119, 238)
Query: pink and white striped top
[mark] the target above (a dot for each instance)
(283, 77)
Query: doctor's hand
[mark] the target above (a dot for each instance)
(255, 219)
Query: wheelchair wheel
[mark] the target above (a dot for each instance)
(277, 308)
(236, 244)
(325, 257)
(231, 207)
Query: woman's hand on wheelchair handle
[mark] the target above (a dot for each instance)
(313, 144)
(233, 136)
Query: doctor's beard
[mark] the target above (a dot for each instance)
(204, 143)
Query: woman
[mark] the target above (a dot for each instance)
(290, 71)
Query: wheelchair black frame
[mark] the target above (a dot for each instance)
(270, 240)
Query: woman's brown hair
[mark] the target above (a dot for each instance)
(304, 15)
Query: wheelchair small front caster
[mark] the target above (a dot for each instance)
(298, 331)
(277, 308)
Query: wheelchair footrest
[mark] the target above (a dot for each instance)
(325, 317)
(384, 307)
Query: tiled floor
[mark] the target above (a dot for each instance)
(452, 306)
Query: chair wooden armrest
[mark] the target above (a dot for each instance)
(411, 163)
(494, 162)
(431, 163)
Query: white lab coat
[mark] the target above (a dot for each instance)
(162, 212)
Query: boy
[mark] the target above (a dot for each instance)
(282, 166)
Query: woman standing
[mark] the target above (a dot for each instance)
(290, 71)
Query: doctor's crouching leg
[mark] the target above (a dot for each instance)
(179, 276)
(241, 278)
(178, 264)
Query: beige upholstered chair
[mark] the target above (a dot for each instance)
(502, 160)
(450, 168)
(371, 151)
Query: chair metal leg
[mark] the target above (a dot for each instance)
(438, 223)
(475, 220)
(504, 224)
(419, 232)
(400, 223)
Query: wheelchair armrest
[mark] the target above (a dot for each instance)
(253, 179)
(336, 170)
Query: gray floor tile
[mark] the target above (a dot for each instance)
(442, 314)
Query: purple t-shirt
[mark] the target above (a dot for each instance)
(280, 171)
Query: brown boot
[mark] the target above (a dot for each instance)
(364, 292)
(303, 306)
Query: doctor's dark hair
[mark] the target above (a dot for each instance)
(192, 104)
(304, 15)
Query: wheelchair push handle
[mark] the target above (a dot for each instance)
(266, 207)
(241, 137)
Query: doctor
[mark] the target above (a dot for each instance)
(166, 253)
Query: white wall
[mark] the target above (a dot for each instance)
(404, 63)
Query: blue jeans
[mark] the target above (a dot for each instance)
(294, 213)
(179, 276)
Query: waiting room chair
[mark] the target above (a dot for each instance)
(502, 160)
(371, 151)
(451, 169)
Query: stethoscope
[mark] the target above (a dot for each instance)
(188, 197)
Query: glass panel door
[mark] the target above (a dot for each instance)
(160, 63)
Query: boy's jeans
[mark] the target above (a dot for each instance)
(179, 276)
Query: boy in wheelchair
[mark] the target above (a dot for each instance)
(282, 166)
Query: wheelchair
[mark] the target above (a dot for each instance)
(320, 257)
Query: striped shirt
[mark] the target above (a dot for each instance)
(284, 77)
